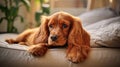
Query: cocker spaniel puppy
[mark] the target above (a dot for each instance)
(57, 30)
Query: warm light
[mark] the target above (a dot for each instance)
(46, 1)
(111, 1)
(45, 5)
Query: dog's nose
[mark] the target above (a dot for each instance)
(54, 37)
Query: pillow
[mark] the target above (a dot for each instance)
(105, 33)
(93, 16)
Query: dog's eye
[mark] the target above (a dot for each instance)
(64, 26)
(50, 26)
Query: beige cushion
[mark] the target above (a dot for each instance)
(15, 55)
(94, 16)
(105, 33)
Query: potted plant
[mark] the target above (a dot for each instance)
(44, 10)
(10, 10)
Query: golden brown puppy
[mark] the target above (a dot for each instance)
(57, 30)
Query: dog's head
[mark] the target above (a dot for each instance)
(60, 28)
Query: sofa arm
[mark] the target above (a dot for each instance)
(16, 56)
(99, 57)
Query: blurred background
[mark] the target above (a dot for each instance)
(18, 15)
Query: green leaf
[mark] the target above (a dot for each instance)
(1, 19)
(46, 9)
(41, 1)
(21, 18)
(13, 11)
(26, 3)
(2, 8)
(17, 2)
(37, 16)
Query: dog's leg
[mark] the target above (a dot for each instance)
(38, 49)
(20, 38)
(11, 41)
(77, 53)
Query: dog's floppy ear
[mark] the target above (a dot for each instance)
(41, 36)
(77, 35)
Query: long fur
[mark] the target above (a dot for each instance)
(38, 39)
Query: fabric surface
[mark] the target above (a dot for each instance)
(105, 33)
(94, 16)
(15, 55)
(12, 46)
(99, 57)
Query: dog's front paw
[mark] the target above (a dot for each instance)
(10, 41)
(38, 50)
(77, 54)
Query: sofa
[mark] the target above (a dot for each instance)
(104, 27)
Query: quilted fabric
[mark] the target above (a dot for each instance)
(105, 33)
(94, 16)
